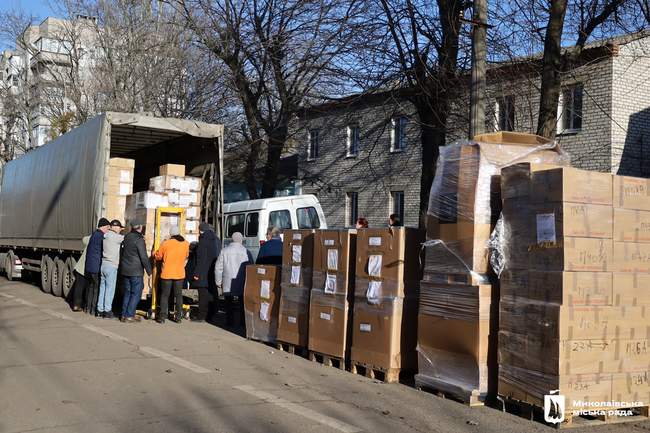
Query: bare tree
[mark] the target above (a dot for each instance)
(279, 56)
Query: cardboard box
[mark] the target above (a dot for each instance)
(631, 257)
(553, 221)
(122, 162)
(262, 302)
(293, 319)
(555, 322)
(631, 288)
(631, 225)
(333, 281)
(385, 335)
(145, 200)
(556, 287)
(573, 254)
(172, 170)
(571, 185)
(631, 193)
(175, 183)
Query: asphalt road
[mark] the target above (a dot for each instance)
(67, 372)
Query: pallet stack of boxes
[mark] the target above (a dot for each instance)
(574, 310)
(332, 295)
(387, 285)
(262, 302)
(120, 185)
(458, 320)
(296, 285)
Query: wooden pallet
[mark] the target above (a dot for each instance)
(536, 413)
(290, 348)
(328, 360)
(386, 375)
(447, 390)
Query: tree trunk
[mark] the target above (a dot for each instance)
(276, 143)
(251, 165)
(551, 80)
(432, 132)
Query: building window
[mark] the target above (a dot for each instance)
(352, 208)
(353, 140)
(397, 204)
(312, 149)
(506, 113)
(398, 134)
(570, 109)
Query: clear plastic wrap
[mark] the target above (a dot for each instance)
(261, 302)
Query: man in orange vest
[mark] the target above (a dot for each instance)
(173, 253)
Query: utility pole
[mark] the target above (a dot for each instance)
(479, 61)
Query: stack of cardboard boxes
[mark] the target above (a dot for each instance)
(297, 262)
(120, 185)
(387, 285)
(332, 293)
(262, 302)
(573, 313)
(458, 320)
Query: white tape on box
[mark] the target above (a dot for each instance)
(328, 242)
(297, 236)
(265, 289)
(296, 253)
(373, 294)
(333, 259)
(375, 241)
(330, 284)
(374, 265)
(291, 319)
(365, 327)
(264, 311)
(295, 275)
(261, 271)
(325, 316)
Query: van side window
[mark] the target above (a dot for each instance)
(252, 224)
(234, 224)
(280, 219)
(307, 218)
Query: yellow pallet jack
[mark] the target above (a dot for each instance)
(163, 213)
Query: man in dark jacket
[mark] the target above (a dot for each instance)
(133, 263)
(93, 266)
(271, 251)
(206, 254)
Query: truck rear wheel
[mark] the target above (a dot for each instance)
(68, 275)
(10, 261)
(46, 274)
(57, 276)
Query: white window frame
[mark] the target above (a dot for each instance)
(353, 140)
(312, 147)
(349, 222)
(398, 133)
(567, 113)
(505, 106)
(392, 203)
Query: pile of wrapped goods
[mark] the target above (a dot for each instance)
(386, 301)
(261, 302)
(120, 185)
(296, 284)
(458, 311)
(574, 313)
(332, 295)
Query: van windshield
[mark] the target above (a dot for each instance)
(307, 218)
(280, 219)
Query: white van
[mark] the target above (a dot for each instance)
(253, 217)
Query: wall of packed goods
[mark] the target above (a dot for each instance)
(532, 277)
(171, 188)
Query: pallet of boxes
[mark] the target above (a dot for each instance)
(384, 329)
(574, 308)
(296, 284)
(120, 186)
(458, 316)
(170, 189)
(262, 302)
(330, 304)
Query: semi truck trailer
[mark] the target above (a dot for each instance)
(53, 196)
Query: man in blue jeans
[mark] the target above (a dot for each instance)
(134, 261)
(110, 263)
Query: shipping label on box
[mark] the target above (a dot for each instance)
(631, 192)
(556, 220)
(631, 225)
(631, 257)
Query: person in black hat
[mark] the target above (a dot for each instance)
(94, 263)
(134, 262)
(206, 255)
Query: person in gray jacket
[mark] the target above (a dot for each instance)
(110, 263)
(134, 261)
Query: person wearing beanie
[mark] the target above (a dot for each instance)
(207, 251)
(92, 267)
(110, 262)
(134, 262)
(230, 274)
(173, 254)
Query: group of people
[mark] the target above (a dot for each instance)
(110, 257)
(393, 221)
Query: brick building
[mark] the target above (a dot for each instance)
(361, 155)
